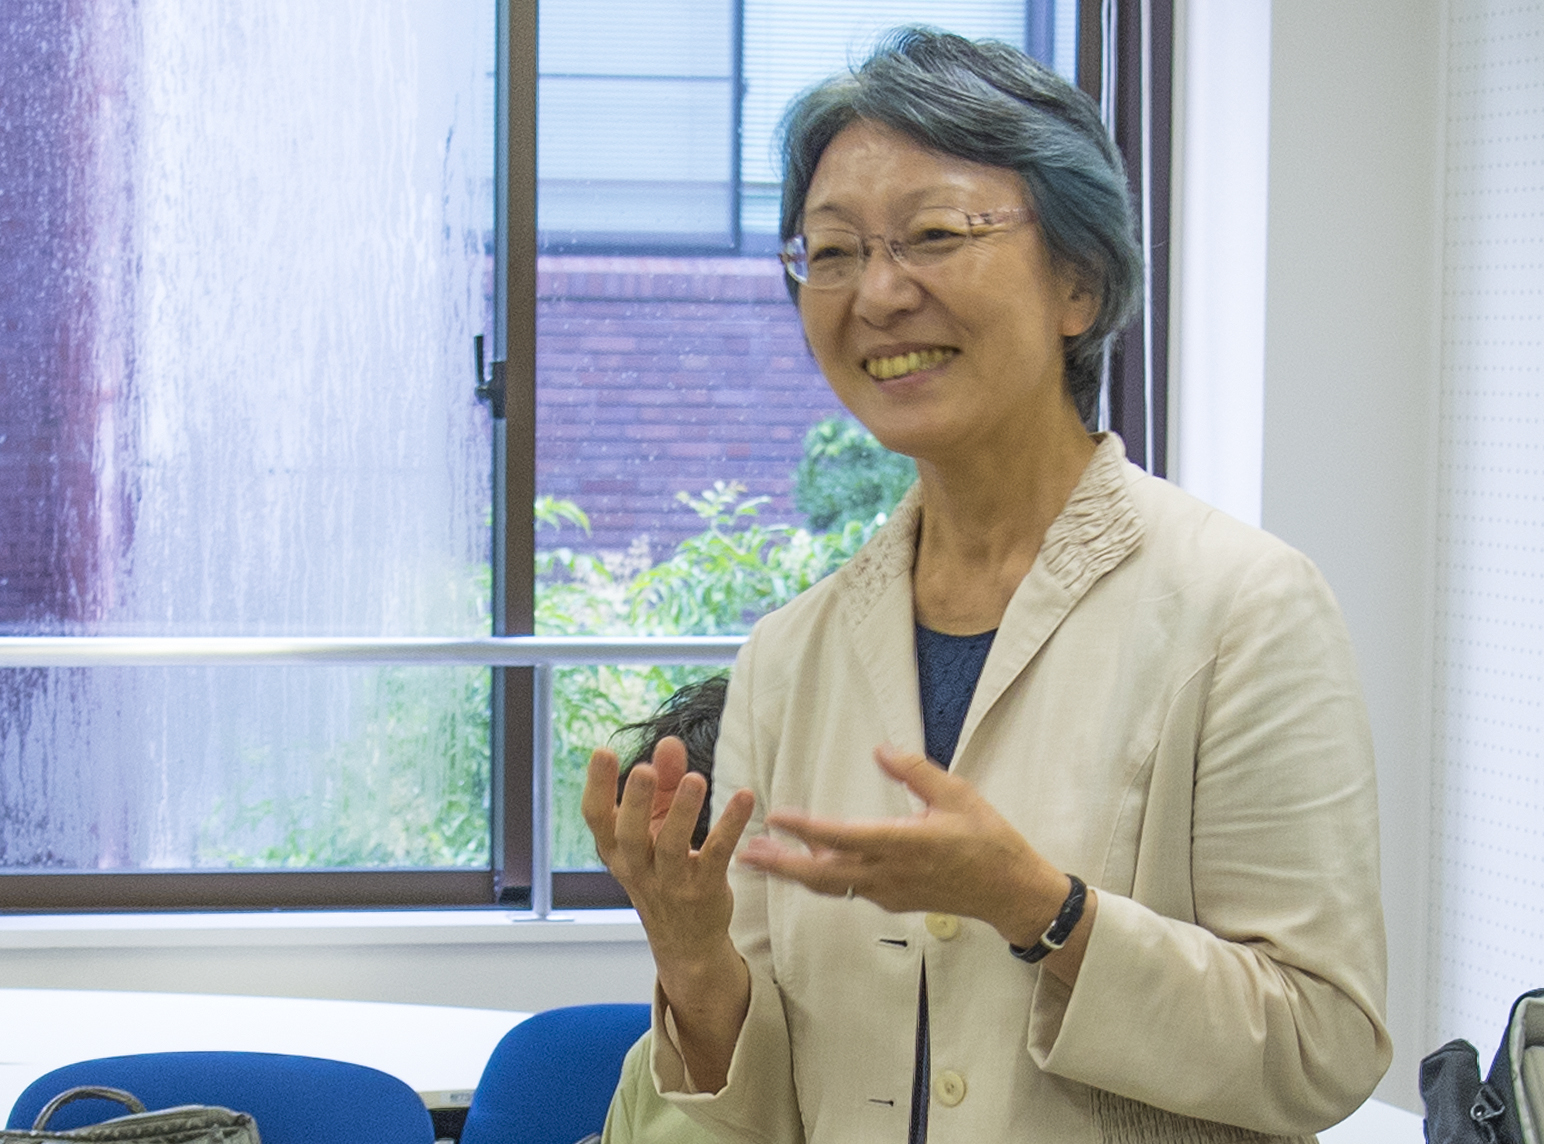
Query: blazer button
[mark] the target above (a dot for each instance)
(942, 926)
(948, 1088)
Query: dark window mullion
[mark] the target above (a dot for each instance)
(1091, 48)
(1138, 377)
(514, 557)
(736, 120)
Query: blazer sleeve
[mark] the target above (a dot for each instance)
(1266, 1009)
(758, 1101)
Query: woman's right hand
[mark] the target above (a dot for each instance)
(682, 895)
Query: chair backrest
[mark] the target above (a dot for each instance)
(295, 1100)
(550, 1079)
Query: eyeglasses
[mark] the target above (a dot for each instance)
(827, 258)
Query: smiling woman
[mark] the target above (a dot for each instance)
(1040, 794)
(932, 353)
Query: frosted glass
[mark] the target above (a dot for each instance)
(272, 254)
(216, 768)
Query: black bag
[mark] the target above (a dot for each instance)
(1508, 1106)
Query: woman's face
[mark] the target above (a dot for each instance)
(985, 325)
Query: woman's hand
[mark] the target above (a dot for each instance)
(682, 895)
(958, 856)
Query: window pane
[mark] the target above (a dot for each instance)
(636, 131)
(244, 275)
(635, 162)
(790, 45)
(675, 396)
(212, 768)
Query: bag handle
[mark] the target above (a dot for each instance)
(85, 1092)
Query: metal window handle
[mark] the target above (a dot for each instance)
(490, 383)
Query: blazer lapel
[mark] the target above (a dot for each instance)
(877, 605)
(1095, 532)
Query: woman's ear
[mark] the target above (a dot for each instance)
(1080, 306)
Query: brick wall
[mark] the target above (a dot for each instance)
(658, 375)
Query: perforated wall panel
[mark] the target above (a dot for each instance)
(1487, 940)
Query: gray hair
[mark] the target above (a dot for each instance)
(988, 102)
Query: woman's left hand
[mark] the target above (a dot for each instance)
(958, 856)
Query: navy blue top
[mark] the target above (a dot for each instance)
(947, 670)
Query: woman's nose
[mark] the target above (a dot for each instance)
(885, 287)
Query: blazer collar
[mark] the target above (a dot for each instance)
(1095, 531)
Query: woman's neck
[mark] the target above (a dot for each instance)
(984, 518)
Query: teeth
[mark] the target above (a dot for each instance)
(884, 369)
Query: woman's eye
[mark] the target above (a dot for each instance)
(830, 251)
(934, 236)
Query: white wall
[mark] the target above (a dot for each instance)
(1351, 374)
(1222, 67)
(1486, 920)
(475, 959)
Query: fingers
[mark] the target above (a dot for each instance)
(669, 763)
(905, 862)
(673, 830)
(634, 813)
(598, 803)
(923, 777)
(839, 834)
(725, 834)
(824, 871)
(825, 832)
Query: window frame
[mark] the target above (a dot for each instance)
(1137, 101)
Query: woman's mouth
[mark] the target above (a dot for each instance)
(899, 365)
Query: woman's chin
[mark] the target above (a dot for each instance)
(901, 412)
(916, 438)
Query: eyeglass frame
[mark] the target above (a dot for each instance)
(795, 252)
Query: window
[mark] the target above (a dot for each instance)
(265, 301)
(244, 276)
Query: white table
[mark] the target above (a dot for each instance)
(1376, 1123)
(433, 1048)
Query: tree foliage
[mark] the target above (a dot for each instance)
(717, 582)
(847, 475)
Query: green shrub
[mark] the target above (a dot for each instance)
(717, 582)
(846, 475)
(720, 581)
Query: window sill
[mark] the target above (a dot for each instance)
(364, 927)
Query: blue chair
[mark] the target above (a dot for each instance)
(295, 1100)
(550, 1079)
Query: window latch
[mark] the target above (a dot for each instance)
(490, 380)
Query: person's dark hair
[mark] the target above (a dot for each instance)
(692, 715)
(988, 102)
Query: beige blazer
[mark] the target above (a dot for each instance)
(1170, 709)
